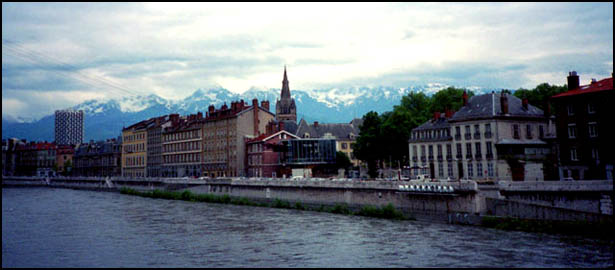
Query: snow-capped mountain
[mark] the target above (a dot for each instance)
(105, 118)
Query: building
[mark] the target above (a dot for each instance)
(64, 159)
(9, 155)
(431, 147)
(494, 136)
(154, 145)
(309, 157)
(69, 127)
(98, 159)
(134, 149)
(584, 132)
(344, 135)
(224, 133)
(265, 154)
(182, 146)
(285, 108)
(34, 157)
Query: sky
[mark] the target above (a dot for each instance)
(57, 55)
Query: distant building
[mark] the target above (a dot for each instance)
(266, 154)
(182, 146)
(585, 133)
(100, 159)
(154, 145)
(9, 155)
(431, 143)
(64, 158)
(344, 134)
(224, 133)
(69, 127)
(35, 156)
(285, 108)
(134, 149)
(494, 137)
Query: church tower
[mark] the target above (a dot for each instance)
(285, 108)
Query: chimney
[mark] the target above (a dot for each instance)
(315, 123)
(594, 80)
(573, 80)
(465, 98)
(281, 126)
(174, 118)
(199, 115)
(504, 103)
(436, 115)
(211, 109)
(224, 107)
(448, 113)
(524, 103)
(265, 104)
(255, 106)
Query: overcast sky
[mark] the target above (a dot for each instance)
(56, 55)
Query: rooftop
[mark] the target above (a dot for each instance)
(602, 85)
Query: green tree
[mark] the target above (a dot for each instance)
(450, 98)
(341, 160)
(539, 96)
(368, 146)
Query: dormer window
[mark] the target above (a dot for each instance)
(306, 135)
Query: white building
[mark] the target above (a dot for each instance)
(69, 127)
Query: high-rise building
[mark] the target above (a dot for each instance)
(69, 126)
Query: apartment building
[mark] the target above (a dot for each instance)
(134, 150)
(182, 146)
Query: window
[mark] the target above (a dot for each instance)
(439, 151)
(344, 145)
(468, 135)
(441, 169)
(430, 151)
(458, 133)
(592, 129)
(570, 110)
(516, 131)
(489, 149)
(449, 153)
(458, 150)
(479, 169)
(470, 170)
(478, 152)
(450, 169)
(541, 132)
(423, 154)
(591, 108)
(573, 154)
(595, 154)
(490, 169)
(572, 131)
(468, 150)
(529, 131)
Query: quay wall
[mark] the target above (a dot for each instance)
(466, 204)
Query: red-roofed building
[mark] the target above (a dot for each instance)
(263, 153)
(35, 156)
(584, 129)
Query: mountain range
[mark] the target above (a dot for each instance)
(105, 118)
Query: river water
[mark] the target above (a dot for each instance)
(46, 227)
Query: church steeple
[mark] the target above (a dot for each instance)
(285, 89)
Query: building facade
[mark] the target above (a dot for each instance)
(182, 146)
(64, 159)
(154, 145)
(224, 133)
(98, 159)
(69, 127)
(134, 150)
(35, 156)
(494, 137)
(266, 154)
(584, 132)
(344, 135)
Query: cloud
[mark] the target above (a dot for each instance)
(171, 49)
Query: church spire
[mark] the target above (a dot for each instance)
(285, 89)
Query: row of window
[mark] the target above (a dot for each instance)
(470, 172)
(591, 109)
(528, 131)
(131, 148)
(591, 129)
(431, 134)
(135, 161)
(575, 157)
(182, 158)
(134, 137)
(186, 135)
(184, 146)
(459, 154)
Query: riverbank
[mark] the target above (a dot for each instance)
(388, 211)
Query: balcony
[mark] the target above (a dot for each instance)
(457, 136)
(478, 156)
(468, 136)
(476, 135)
(458, 156)
(488, 135)
(489, 156)
(449, 157)
(430, 157)
(423, 159)
(439, 157)
(415, 159)
(469, 156)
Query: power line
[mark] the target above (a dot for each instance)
(31, 53)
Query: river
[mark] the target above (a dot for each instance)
(49, 227)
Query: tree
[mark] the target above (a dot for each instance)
(450, 98)
(341, 160)
(368, 146)
(539, 96)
